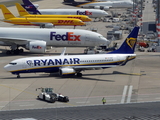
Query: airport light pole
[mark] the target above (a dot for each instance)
(141, 23)
(158, 21)
(133, 12)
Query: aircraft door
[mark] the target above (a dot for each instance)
(24, 64)
(87, 39)
(27, 64)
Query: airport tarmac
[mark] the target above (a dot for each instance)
(138, 81)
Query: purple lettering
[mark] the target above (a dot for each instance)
(84, 13)
(69, 36)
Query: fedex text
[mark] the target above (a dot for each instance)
(84, 13)
(69, 36)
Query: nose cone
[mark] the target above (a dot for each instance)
(82, 23)
(104, 13)
(88, 19)
(104, 41)
(6, 67)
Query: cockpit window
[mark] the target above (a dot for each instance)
(13, 63)
(101, 37)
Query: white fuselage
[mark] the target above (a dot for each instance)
(112, 0)
(76, 62)
(92, 13)
(110, 4)
(52, 37)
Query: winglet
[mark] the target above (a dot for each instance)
(63, 52)
(6, 13)
(129, 44)
(21, 10)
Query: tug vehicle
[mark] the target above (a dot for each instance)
(47, 94)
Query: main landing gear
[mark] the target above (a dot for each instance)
(18, 76)
(14, 52)
(79, 74)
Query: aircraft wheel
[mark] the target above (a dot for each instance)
(44, 98)
(8, 52)
(79, 74)
(18, 76)
(21, 50)
(16, 52)
(52, 100)
(42, 26)
(12, 52)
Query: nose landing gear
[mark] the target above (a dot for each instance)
(18, 76)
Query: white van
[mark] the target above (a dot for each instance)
(115, 20)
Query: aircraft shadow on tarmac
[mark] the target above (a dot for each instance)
(132, 74)
(56, 76)
(84, 77)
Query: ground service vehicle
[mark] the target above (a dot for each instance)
(47, 94)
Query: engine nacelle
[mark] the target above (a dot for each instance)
(66, 71)
(97, 7)
(84, 6)
(47, 25)
(36, 46)
(106, 8)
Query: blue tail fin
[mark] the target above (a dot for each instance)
(27, 4)
(129, 44)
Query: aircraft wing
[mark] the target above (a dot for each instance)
(20, 41)
(92, 67)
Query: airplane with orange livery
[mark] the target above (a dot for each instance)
(23, 13)
(42, 22)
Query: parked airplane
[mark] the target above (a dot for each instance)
(42, 22)
(92, 13)
(23, 13)
(74, 64)
(100, 5)
(36, 40)
(108, 0)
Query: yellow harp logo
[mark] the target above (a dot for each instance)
(131, 42)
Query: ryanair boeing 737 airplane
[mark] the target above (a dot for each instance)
(75, 64)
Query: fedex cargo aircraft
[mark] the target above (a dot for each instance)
(36, 40)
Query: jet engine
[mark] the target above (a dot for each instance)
(106, 8)
(47, 25)
(36, 46)
(66, 71)
(97, 7)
